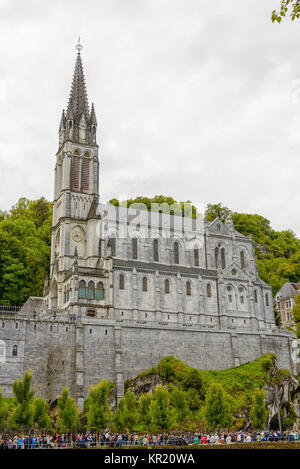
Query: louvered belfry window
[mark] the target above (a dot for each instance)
(85, 175)
(75, 173)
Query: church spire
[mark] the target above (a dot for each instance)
(78, 101)
(80, 123)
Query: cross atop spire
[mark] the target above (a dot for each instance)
(78, 45)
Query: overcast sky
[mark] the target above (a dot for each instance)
(195, 99)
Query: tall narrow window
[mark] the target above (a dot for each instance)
(223, 258)
(208, 290)
(91, 291)
(155, 250)
(134, 248)
(255, 296)
(167, 286)
(145, 286)
(176, 253)
(188, 288)
(112, 244)
(15, 351)
(75, 173)
(267, 299)
(242, 258)
(82, 290)
(99, 292)
(85, 174)
(216, 257)
(196, 257)
(121, 282)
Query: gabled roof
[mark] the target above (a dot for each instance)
(289, 290)
(224, 229)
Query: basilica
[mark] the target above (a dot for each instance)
(128, 286)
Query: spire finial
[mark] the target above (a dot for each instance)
(78, 45)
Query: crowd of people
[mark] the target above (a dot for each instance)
(110, 440)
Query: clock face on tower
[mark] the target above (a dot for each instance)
(77, 236)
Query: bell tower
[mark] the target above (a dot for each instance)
(76, 187)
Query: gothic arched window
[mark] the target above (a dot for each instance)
(223, 258)
(176, 253)
(188, 288)
(91, 291)
(242, 259)
(112, 244)
(75, 173)
(216, 257)
(15, 351)
(121, 282)
(196, 257)
(82, 290)
(155, 250)
(267, 299)
(208, 290)
(255, 296)
(99, 292)
(145, 286)
(134, 248)
(167, 286)
(85, 174)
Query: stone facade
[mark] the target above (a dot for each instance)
(128, 287)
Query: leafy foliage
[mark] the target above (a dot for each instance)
(68, 413)
(287, 6)
(22, 413)
(163, 414)
(3, 410)
(99, 414)
(218, 412)
(126, 415)
(296, 314)
(25, 240)
(41, 414)
(258, 412)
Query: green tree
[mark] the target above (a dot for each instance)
(21, 416)
(291, 7)
(25, 239)
(218, 210)
(193, 380)
(217, 411)
(258, 412)
(161, 410)
(277, 317)
(41, 414)
(99, 413)
(144, 410)
(296, 314)
(3, 410)
(127, 414)
(180, 405)
(193, 399)
(68, 413)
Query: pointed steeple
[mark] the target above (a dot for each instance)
(78, 123)
(78, 100)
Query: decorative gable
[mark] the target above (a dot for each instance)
(218, 227)
(234, 272)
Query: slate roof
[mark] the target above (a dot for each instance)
(289, 290)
